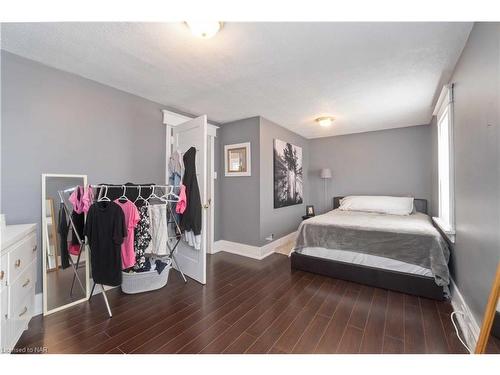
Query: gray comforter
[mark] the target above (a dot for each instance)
(411, 239)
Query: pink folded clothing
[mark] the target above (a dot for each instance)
(181, 205)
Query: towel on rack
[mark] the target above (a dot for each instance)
(159, 229)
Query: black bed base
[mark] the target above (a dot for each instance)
(401, 282)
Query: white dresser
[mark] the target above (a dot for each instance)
(17, 282)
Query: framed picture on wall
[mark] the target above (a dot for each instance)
(237, 160)
(310, 210)
(288, 183)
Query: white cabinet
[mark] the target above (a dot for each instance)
(17, 282)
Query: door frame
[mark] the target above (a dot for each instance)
(172, 119)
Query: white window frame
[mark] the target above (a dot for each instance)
(444, 107)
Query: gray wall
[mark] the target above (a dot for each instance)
(385, 162)
(56, 122)
(239, 196)
(476, 251)
(284, 220)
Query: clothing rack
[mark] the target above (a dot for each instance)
(82, 243)
(168, 190)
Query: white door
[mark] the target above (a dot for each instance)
(193, 133)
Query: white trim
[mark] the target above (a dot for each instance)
(272, 246)
(467, 322)
(45, 309)
(248, 148)
(173, 119)
(446, 96)
(450, 233)
(249, 251)
(38, 309)
(444, 106)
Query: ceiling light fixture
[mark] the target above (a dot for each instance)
(325, 121)
(204, 29)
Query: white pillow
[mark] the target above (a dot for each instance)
(380, 204)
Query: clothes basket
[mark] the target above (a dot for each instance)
(139, 282)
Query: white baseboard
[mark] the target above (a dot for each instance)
(38, 304)
(468, 324)
(254, 252)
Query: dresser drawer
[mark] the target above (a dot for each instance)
(20, 256)
(4, 267)
(23, 285)
(19, 319)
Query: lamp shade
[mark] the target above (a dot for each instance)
(326, 173)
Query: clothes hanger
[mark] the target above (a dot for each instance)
(105, 196)
(140, 196)
(171, 194)
(123, 197)
(153, 195)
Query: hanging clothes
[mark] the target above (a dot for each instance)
(63, 229)
(142, 239)
(192, 239)
(182, 203)
(175, 169)
(81, 199)
(79, 223)
(105, 229)
(191, 218)
(132, 217)
(159, 229)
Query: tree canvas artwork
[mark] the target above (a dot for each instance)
(288, 175)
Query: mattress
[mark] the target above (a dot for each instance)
(411, 240)
(366, 260)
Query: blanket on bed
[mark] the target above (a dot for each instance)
(411, 239)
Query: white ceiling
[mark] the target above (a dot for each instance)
(369, 76)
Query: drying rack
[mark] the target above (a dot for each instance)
(173, 241)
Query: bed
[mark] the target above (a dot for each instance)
(401, 253)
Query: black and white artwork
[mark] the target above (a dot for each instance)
(288, 182)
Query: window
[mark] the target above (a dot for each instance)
(444, 114)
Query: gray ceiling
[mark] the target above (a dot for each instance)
(369, 76)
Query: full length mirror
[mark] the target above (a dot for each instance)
(65, 259)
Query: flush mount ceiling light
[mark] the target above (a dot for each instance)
(204, 29)
(325, 121)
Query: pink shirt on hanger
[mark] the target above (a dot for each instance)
(131, 214)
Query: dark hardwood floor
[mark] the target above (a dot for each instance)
(250, 306)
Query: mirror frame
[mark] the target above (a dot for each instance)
(489, 315)
(44, 248)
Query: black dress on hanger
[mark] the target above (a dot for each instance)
(105, 230)
(191, 218)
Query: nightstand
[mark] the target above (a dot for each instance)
(305, 217)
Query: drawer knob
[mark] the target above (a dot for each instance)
(24, 311)
(18, 263)
(2, 274)
(26, 283)
(34, 248)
